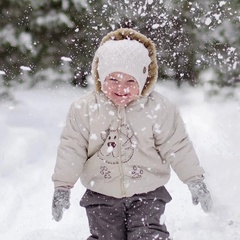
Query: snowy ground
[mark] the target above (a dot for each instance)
(29, 133)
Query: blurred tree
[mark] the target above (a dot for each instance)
(16, 45)
(217, 26)
(55, 40)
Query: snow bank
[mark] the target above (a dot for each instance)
(30, 131)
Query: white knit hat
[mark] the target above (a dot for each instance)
(127, 56)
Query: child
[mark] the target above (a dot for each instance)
(121, 140)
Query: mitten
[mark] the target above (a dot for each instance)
(60, 202)
(200, 194)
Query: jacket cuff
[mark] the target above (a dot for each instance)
(59, 184)
(194, 178)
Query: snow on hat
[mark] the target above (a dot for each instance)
(127, 56)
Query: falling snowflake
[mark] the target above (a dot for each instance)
(109, 149)
(111, 113)
(208, 21)
(66, 59)
(221, 3)
(155, 26)
(24, 68)
(93, 136)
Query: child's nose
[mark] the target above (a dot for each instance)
(122, 88)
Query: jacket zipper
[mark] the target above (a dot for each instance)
(119, 156)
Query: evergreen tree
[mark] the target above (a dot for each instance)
(55, 40)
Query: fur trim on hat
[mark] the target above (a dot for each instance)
(128, 33)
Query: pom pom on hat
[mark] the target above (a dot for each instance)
(127, 56)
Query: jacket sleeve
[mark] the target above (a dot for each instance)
(174, 146)
(72, 151)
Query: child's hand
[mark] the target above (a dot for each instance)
(200, 194)
(61, 198)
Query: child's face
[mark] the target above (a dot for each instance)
(121, 88)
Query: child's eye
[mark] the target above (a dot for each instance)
(113, 80)
(131, 81)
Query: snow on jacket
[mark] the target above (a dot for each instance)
(121, 151)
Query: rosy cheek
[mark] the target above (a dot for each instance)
(110, 88)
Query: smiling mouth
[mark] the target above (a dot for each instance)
(121, 95)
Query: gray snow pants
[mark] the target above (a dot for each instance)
(130, 218)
